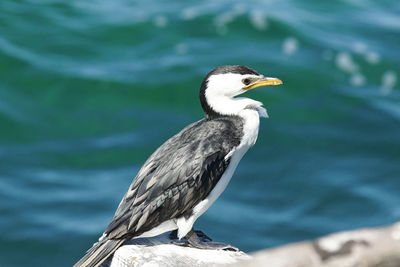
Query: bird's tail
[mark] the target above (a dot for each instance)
(99, 253)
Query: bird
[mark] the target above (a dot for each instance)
(187, 173)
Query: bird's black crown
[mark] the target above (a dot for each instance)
(236, 69)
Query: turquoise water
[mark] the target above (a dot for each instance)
(89, 89)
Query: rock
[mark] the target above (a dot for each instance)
(371, 247)
(159, 251)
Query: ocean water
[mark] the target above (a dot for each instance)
(89, 89)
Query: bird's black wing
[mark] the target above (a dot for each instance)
(179, 174)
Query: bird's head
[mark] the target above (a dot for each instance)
(223, 83)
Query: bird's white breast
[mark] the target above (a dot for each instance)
(251, 124)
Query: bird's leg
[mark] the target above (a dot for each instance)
(198, 239)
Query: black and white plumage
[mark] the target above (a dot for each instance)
(185, 175)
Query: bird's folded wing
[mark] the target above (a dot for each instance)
(178, 175)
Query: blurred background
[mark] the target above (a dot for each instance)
(89, 89)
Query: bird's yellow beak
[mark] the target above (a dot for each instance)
(263, 82)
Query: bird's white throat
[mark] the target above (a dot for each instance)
(230, 106)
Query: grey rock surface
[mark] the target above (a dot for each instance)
(370, 247)
(159, 251)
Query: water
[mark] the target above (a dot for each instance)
(88, 89)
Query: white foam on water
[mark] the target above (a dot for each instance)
(360, 47)
(259, 20)
(389, 79)
(372, 57)
(357, 79)
(189, 13)
(221, 21)
(345, 62)
(160, 21)
(290, 46)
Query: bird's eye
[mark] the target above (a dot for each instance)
(246, 81)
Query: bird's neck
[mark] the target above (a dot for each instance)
(229, 106)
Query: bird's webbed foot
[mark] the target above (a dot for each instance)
(202, 236)
(197, 239)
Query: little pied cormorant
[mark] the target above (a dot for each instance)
(185, 175)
